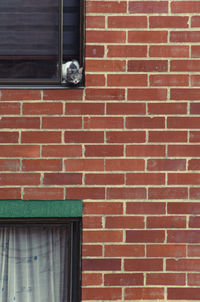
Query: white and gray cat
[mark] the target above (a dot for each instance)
(72, 73)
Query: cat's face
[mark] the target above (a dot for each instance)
(74, 76)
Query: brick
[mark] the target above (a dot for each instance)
(61, 151)
(184, 66)
(20, 122)
(168, 21)
(106, 7)
(19, 179)
(84, 164)
(145, 122)
(144, 293)
(195, 51)
(125, 250)
(186, 236)
(85, 193)
(147, 94)
(102, 236)
(195, 108)
(167, 222)
(167, 136)
(143, 264)
(62, 179)
(124, 164)
(41, 137)
(184, 37)
(125, 136)
(9, 137)
(127, 222)
(103, 150)
(184, 150)
(195, 21)
(194, 193)
(103, 208)
(148, 7)
(166, 279)
(65, 95)
(183, 293)
(169, 51)
(147, 36)
(62, 122)
(194, 222)
(84, 137)
(41, 165)
(9, 108)
(127, 22)
(95, 21)
(183, 265)
(42, 108)
(145, 178)
(183, 178)
(145, 208)
(95, 80)
(9, 165)
(185, 7)
(147, 66)
(105, 94)
(84, 108)
(101, 293)
(194, 138)
(183, 208)
(169, 80)
(101, 264)
(123, 279)
(103, 122)
(194, 279)
(19, 151)
(104, 179)
(94, 51)
(127, 51)
(91, 250)
(92, 222)
(103, 66)
(168, 193)
(145, 236)
(126, 108)
(193, 250)
(20, 95)
(145, 150)
(123, 80)
(100, 36)
(166, 164)
(183, 122)
(10, 193)
(91, 279)
(166, 250)
(36, 193)
(126, 193)
(195, 80)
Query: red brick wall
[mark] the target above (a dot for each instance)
(128, 145)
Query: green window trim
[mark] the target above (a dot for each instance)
(40, 208)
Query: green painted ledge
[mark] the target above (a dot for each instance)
(40, 208)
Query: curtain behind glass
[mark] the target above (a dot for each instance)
(33, 264)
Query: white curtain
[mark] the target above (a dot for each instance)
(32, 264)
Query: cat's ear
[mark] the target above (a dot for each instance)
(81, 70)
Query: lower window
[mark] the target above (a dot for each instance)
(40, 260)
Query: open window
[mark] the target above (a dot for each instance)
(37, 37)
(40, 257)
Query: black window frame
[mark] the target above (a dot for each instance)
(75, 224)
(40, 84)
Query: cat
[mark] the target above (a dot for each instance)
(72, 73)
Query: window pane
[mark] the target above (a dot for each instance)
(34, 262)
(29, 39)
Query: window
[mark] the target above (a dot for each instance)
(40, 257)
(36, 38)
